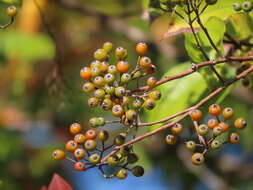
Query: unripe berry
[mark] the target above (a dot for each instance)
(215, 144)
(90, 145)
(94, 158)
(109, 78)
(112, 69)
(121, 174)
(234, 138)
(12, 10)
(120, 91)
(198, 158)
(88, 87)
(227, 113)
(120, 53)
(93, 102)
(119, 140)
(85, 73)
(177, 129)
(240, 123)
(214, 109)
(217, 131)
(237, 6)
(202, 130)
(191, 145)
(212, 123)
(95, 63)
(113, 160)
(137, 103)
(151, 81)
(79, 138)
(79, 166)
(125, 78)
(155, 95)
(95, 71)
(149, 104)
(99, 93)
(131, 114)
(107, 104)
(71, 146)
(141, 48)
(103, 135)
(75, 128)
(138, 171)
(100, 54)
(247, 6)
(117, 110)
(136, 75)
(196, 115)
(145, 62)
(125, 100)
(58, 154)
(79, 153)
(171, 139)
(107, 46)
(109, 90)
(93, 122)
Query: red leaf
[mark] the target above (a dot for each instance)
(43, 188)
(59, 183)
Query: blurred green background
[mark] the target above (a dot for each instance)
(41, 95)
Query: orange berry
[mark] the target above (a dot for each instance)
(196, 115)
(141, 48)
(79, 138)
(224, 126)
(122, 66)
(75, 128)
(145, 62)
(79, 153)
(85, 73)
(240, 123)
(234, 138)
(79, 166)
(91, 134)
(212, 123)
(214, 109)
(227, 113)
(71, 146)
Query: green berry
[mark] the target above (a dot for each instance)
(125, 78)
(100, 54)
(237, 6)
(109, 90)
(99, 81)
(90, 145)
(149, 104)
(155, 95)
(120, 91)
(137, 74)
(131, 114)
(95, 71)
(137, 103)
(94, 158)
(95, 63)
(191, 145)
(112, 69)
(120, 53)
(109, 78)
(99, 93)
(100, 121)
(202, 130)
(151, 82)
(93, 102)
(215, 144)
(12, 10)
(107, 46)
(125, 100)
(138, 171)
(107, 104)
(211, 2)
(217, 131)
(103, 135)
(88, 87)
(113, 160)
(247, 6)
(122, 174)
(119, 140)
(93, 121)
(124, 151)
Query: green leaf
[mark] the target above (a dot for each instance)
(240, 26)
(222, 9)
(178, 94)
(30, 47)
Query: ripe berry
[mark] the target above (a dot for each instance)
(120, 91)
(100, 54)
(137, 103)
(121, 174)
(224, 126)
(71, 146)
(150, 69)
(240, 123)
(138, 171)
(155, 95)
(99, 81)
(94, 158)
(237, 6)
(117, 110)
(122, 66)
(85, 73)
(91, 134)
(113, 160)
(196, 115)
(93, 102)
(120, 53)
(202, 130)
(214, 109)
(88, 87)
(79, 138)
(12, 10)
(212, 123)
(119, 140)
(198, 158)
(79, 153)
(79, 166)
(191, 145)
(103, 135)
(141, 48)
(149, 104)
(90, 145)
(99, 93)
(171, 139)
(75, 128)
(177, 129)
(109, 78)
(215, 144)
(58, 154)
(211, 2)
(131, 114)
(145, 62)
(107, 104)
(132, 158)
(217, 131)
(151, 81)
(227, 113)
(247, 6)
(125, 78)
(112, 69)
(95, 71)
(107, 46)
(234, 138)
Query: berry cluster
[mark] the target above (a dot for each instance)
(109, 85)
(207, 133)
(246, 6)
